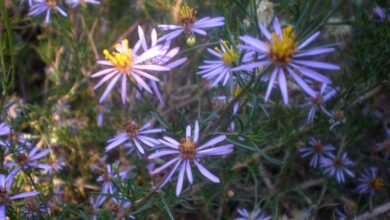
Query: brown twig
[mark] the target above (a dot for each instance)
(377, 211)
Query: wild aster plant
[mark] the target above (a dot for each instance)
(40, 6)
(125, 64)
(369, 181)
(186, 152)
(220, 70)
(107, 180)
(254, 215)
(118, 206)
(95, 205)
(75, 3)
(378, 13)
(221, 102)
(5, 191)
(317, 102)
(164, 59)
(24, 161)
(337, 166)
(187, 23)
(283, 52)
(317, 151)
(135, 135)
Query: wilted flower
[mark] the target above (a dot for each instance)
(75, 3)
(24, 161)
(188, 151)
(317, 151)
(32, 209)
(40, 6)
(5, 191)
(188, 24)
(135, 135)
(93, 210)
(265, 12)
(283, 52)
(337, 118)
(124, 64)
(369, 181)
(220, 70)
(118, 206)
(316, 103)
(337, 166)
(254, 215)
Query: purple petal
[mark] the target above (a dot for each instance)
(314, 52)
(212, 142)
(302, 83)
(207, 173)
(283, 86)
(271, 84)
(317, 64)
(189, 172)
(181, 179)
(23, 195)
(109, 88)
(309, 40)
(166, 165)
(162, 153)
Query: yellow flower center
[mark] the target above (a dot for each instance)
(187, 149)
(132, 128)
(229, 56)
(51, 3)
(283, 49)
(378, 183)
(186, 17)
(122, 58)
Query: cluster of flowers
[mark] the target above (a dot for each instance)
(322, 155)
(21, 158)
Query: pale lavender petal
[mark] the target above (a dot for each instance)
(188, 132)
(124, 88)
(314, 52)
(221, 150)
(181, 179)
(302, 83)
(116, 143)
(283, 86)
(312, 74)
(2, 212)
(41, 154)
(309, 40)
(255, 43)
(142, 83)
(250, 66)
(317, 64)
(212, 142)
(189, 172)
(23, 195)
(196, 132)
(271, 84)
(206, 173)
(102, 72)
(162, 153)
(166, 165)
(277, 27)
(139, 147)
(169, 177)
(109, 88)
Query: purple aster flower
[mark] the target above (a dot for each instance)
(125, 64)
(93, 210)
(188, 24)
(24, 161)
(316, 150)
(107, 179)
(317, 102)
(284, 53)
(385, 148)
(378, 13)
(40, 6)
(220, 70)
(337, 166)
(118, 206)
(5, 191)
(135, 136)
(254, 215)
(187, 152)
(32, 209)
(75, 3)
(369, 181)
(164, 59)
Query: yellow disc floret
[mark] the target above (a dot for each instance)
(186, 17)
(283, 49)
(229, 56)
(123, 58)
(377, 183)
(187, 149)
(51, 4)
